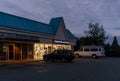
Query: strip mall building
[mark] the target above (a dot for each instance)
(22, 38)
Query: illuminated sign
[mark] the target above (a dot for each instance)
(61, 41)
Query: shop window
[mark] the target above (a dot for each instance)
(41, 49)
(38, 50)
(30, 51)
(2, 54)
(24, 51)
(49, 49)
(17, 51)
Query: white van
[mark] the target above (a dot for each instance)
(90, 51)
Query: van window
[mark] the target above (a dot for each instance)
(81, 49)
(86, 49)
(99, 49)
(94, 49)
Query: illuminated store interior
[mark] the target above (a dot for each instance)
(40, 49)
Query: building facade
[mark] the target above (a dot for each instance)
(22, 39)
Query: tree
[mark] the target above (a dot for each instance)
(107, 49)
(81, 42)
(96, 34)
(77, 45)
(115, 43)
(115, 49)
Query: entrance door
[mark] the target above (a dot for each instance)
(11, 52)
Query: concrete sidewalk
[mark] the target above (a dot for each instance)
(18, 61)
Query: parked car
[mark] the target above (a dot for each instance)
(90, 51)
(63, 55)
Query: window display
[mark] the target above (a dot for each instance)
(40, 49)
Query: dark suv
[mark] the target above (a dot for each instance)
(63, 55)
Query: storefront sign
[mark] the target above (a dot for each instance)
(61, 41)
(11, 36)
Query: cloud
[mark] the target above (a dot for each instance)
(77, 13)
(117, 28)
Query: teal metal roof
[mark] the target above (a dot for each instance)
(70, 34)
(16, 22)
(55, 22)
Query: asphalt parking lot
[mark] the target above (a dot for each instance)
(82, 69)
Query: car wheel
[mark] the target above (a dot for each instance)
(94, 56)
(76, 56)
(69, 60)
(63, 60)
(53, 60)
(46, 59)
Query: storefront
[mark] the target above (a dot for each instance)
(15, 51)
(16, 47)
(42, 48)
(23, 39)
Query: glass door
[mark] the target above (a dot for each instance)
(11, 52)
(8, 49)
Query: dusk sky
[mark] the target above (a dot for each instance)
(76, 13)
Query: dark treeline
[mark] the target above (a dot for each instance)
(113, 49)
